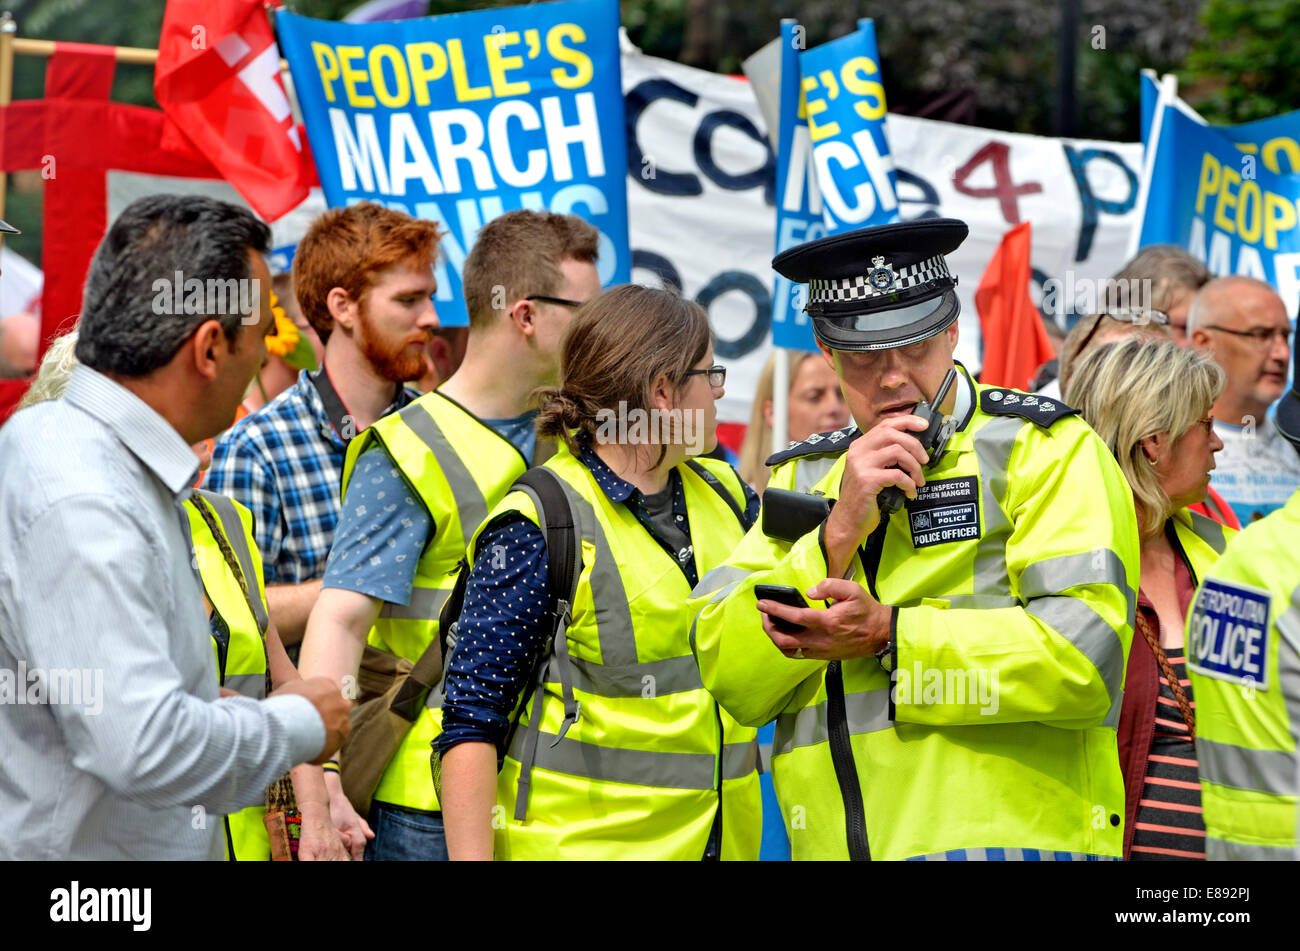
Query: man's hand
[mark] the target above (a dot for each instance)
(887, 455)
(333, 708)
(320, 842)
(354, 830)
(856, 625)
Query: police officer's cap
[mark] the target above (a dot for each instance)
(881, 287)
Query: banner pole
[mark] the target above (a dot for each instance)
(1168, 92)
(7, 30)
(780, 398)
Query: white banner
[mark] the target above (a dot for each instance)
(700, 203)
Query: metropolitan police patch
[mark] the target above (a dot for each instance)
(945, 510)
(1228, 633)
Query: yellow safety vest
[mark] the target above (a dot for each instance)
(1243, 657)
(1014, 581)
(642, 771)
(458, 467)
(241, 665)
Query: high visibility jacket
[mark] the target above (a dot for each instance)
(1013, 578)
(241, 663)
(650, 758)
(1243, 656)
(458, 467)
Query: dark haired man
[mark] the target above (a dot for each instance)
(122, 749)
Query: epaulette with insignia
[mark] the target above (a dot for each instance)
(1030, 406)
(836, 440)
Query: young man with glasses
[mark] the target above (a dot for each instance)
(1244, 324)
(417, 484)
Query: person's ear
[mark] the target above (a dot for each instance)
(767, 412)
(342, 308)
(524, 316)
(952, 336)
(208, 349)
(1200, 339)
(1153, 447)
(662, 394)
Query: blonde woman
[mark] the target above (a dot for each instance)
(815, 405)
(1150, 400)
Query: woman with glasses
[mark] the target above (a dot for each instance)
(621, 753)
(1150, 401)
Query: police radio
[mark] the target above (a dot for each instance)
(933, 439)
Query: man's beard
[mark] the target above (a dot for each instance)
(390, 358)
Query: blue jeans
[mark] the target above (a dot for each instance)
(405, 835)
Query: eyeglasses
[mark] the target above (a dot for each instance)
(1259, 336)
(717, 375)
(562, 301)
(1136, 317)
(1208, 423)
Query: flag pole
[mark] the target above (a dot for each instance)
(1168, 93)
(123, 54)
(7, 30)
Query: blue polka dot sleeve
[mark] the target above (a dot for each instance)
(500, 636)
(381, 533)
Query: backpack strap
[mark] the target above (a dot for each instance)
(564, 567)
(716, 485)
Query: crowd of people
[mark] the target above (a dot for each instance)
(395, 591)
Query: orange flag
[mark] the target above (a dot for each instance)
(1015, 342)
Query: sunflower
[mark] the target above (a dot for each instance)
(287, 343)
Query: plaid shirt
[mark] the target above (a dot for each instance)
(285, 464)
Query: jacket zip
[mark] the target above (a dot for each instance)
(846, 770)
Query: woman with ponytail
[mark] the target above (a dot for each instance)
(598, 741)
(1150, 401)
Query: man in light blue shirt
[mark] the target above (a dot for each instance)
(116, 744)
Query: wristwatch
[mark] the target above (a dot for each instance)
(887, 656)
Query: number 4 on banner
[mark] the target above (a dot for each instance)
(1007, 192)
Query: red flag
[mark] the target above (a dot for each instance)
(1015, 342)
(218, 80)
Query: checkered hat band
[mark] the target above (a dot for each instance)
(860, 287)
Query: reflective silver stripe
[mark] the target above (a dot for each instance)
(1208, 531)
(614, 765)
(808, 472)
(993, 444)
(1090, 633)
(425, 605)
(765, 757)
(1217, 850)
(739, 759)
(866, 712)
(233, 526)
(609, 598)
(1272, 772)
(469, 497)
(247, 685)
(717, 596)
(1056, 575)
(720, 577)
(976, 601)
(654, 678)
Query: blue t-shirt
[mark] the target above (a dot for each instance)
(383, 526)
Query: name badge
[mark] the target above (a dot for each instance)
(1228, 633)
(946, 510)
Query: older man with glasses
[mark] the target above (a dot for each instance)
(1245, 326)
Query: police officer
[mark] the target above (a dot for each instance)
(955, 688)
(1243, 638)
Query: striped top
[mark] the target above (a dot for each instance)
(1169, 825)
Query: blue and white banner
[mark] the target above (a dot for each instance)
(461, 118)
(844, 105)
(798, 200)
(1223, 203)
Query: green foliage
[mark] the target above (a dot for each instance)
(1247, 66)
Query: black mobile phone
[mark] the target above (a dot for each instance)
(781, 594)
